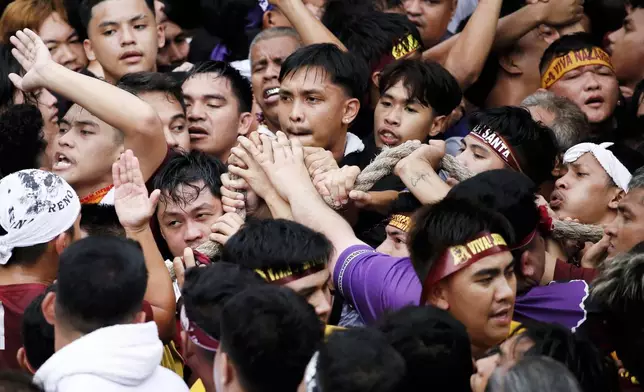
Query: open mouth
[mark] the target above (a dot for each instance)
(556, 200)
(298, 132)
(197, 133)
(503, 316)
(271, 92)
(61, 162)
(388, 138)
(132, 56)
(594, 102)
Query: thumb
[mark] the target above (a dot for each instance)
(154, 200)
(16, 80)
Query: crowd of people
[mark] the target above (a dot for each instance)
(322, 195)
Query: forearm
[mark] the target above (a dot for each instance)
(310, 28)
(278, 207)
(423, 182)
(514, 26)
(381, 200)
(159, 292)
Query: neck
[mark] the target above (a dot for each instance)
(86, 190)
(603, 128)
(95, 68)
(64, 336)
(509, 91)
(478, 352)
(338, 148)
(42, 271)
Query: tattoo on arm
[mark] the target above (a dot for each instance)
(418, 178)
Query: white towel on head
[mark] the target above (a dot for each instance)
(613, 167)
(35, 207)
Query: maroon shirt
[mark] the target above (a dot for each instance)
(565, 272)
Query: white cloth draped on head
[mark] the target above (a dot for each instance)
(35, 207)
(613, 167)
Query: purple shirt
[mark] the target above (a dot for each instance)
(375, 283)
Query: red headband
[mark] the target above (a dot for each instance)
(458, 257)
(197, 335)
(496, 142)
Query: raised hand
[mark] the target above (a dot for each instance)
(133, 206)
(32, 54)
(562, 12)
(225, 227)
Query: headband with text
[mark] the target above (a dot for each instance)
(401, 222)
(561, 65)
(498, 144)
(403, 49)
(281, 276)
(197, 335)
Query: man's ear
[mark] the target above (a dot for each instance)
(48, 308)
(526, 266)
(245, 124)
(160, 36)
(268, 20)
(351, 109)
(509, 63)
(438, 296)
(139, 318)
(23, 362)
(62, 242)
(438, 125)
(548, 33)
(618, 195)
(89, 50)
(375, 78)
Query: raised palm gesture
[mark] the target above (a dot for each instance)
(32, 54)
(133, 206)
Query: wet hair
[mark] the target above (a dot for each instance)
(636, 3)
(564, 45)
(22, 142)
(37, 334)
(570, 125)
(276, 243)
(206, 290)
(86, 7)
(406, 203)
(269, 333)
(343, 69)
(239, 85)
(359, 360)
(452, 221)
(533, 374)
(28, 14)
(101, 283)
(187, 170)
(534, 144)
(153, 82)
(13, 381)
(605, 16)
(426, 82)
(102, 220)
(435, 346)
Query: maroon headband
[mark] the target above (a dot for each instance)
(197, 335)
(498, 144)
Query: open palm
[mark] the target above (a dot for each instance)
(133, 206)
(32, 54)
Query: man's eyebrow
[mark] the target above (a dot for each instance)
(488, 272)
(176, 117)
(111, 22)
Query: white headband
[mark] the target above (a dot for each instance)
(35, 207)
(613, 167)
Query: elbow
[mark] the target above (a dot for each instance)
(148, 123)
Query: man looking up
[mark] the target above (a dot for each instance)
(123, 35)
(218, 101)
(39, 218)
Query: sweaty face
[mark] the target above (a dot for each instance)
(124, 37)
(482, 296)
(627, 48)
(398, 118)
(311, 109)
(431, 17)
(584, 191)
(504, 356)
(478, 157)
(266, 59)
(315, 288)
(213, 114)
(395, 244)
(175, 126)
(63, 42)
(593, 88)
(187, 225)
(175, 50)
(627, 230)
(82, 139)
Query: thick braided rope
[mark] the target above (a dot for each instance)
(385, 162)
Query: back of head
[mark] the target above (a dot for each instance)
(343, 69)
(8, 64)
(11, 381)
(427, 82)
(269, 333)
(276, 244)
(239, 85)
(102, 220)
(563, 45)
(37, 333)
(534, 374)
(406, 203)
(508, 192)
(28, 14)
(533, 144)
(152, 82)
(358, 360)
(450, 222)
(101, 283)
(569, 124)
(435, 346)
(21, 138)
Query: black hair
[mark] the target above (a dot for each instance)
(153, 82)
(636, 3)
(276, 243)
(13, 381)
(206, 290)
(593, 371)
(406, 203)
(101, 283)
(630, 158)
(359, 360)
(269, 333)
(564, 45)
(435, 346)
(605, 16)
(8, 64)
(427, 82)
(86, 7)
(239, 85)
(534, 144)
(533, 374)
(450, 222)
(99, 219)
(187, 169)
(22, 141)
(29, 255)
(37, 333)
(342, 68)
